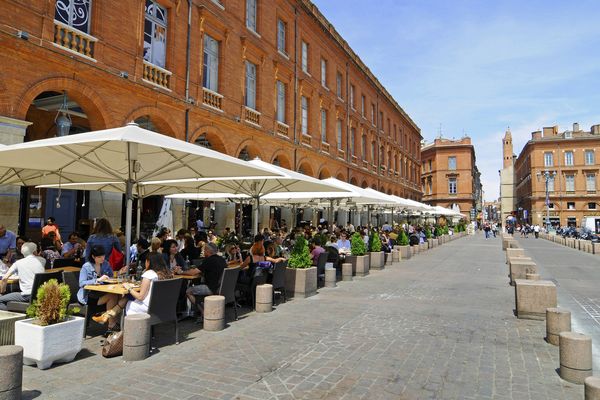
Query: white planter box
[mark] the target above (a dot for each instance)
(45, 345)
(300, 282)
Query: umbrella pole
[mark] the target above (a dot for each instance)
(255, 211)
(138, 220)
(128, 215)
(331, 215)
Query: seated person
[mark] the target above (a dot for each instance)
(26, 268)
(50, 247)
(72, 248)
(316, 250)
(211, 269)
(190, 251)
(343, 243)
(96, 270)
(137, 301)
(171, 255)
(142, 252)
(233, 255)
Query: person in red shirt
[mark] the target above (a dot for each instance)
(51, 227)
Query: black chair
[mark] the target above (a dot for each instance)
(38, 280)
(333, 256)
(227, 288)
(163, 303)
(321, 261)
(258, 277)
(85, 310)
(196, 262)
(66, 262)
(279, 279)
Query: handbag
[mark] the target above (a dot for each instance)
(116, 259)
(113, 345)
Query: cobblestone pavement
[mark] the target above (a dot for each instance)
(577, 275)
(439, 326)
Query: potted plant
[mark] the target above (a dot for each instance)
(404, 247)
(376, 255)
(50, 334)
(429, 236)
(446, 235)
(300, 275)
(360, 261)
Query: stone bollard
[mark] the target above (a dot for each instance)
(388, 258)
(330, 277)
(395, 255)
(532, 277)
(532, 298)
(347, 271)
(136, 337)
(575, 353)
(514, 253)
(264, 298)
(214, 313)
(11, 378)
(519, 267)
(592, 388)
(557, 320)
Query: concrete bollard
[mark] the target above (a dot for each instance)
(592, 388)
(514, 253)
(330, 277)
(347, 271)
(395, 255)
(214, 313)
(264, 298)
(11, 378)
(532, 298)
(388, 258)
(136, 337)
(575, 353)
(532, 277)
(519, 267)
(557, 320)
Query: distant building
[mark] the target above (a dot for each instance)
(570, 159)
(507, 178)
(449, 176)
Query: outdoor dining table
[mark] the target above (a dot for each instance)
(115, 288)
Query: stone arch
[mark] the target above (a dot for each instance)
(250, 147)
(364, 185)
(305, 168)
(324, 173)
(389, 192)
(281, 159)
(88, 99)
(158, 116)
(374, 186)
(396, 193)
(354, 181)
(340, 176)
(212, 135)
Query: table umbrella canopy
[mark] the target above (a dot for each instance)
(122, 157)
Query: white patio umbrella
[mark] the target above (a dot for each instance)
(121, 158)
(286, 181)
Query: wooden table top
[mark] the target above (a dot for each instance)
(116, 288)
(66, 269)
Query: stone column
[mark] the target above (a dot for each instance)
(264, 298)
(575, 351)
(136, 337)
(11, 378)
(214, 313)
(347, 271)
(330, 277)
(12, 131)
(557, 320)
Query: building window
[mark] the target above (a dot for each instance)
(550, 184)
(352, 96)
(324, 72)
(155, 33)
(568, 158)
(304, 57)
(452, 163)
(251, 14)
(338, 85)
(551, 206)
(323, 125)
(430, 184)
(210, 78)
(381, 120)
(452, 185)
(570, 183)
(352, 140)
(548, 159)
(591, 206)
(281, 27)
(77, 14)
(373, 152)
(429, 162)
(363, 146)
(304, 115)
(280, 101)
(362, 106)
(570, 205)
(250, 85)
(338, 128)
(590, 182)
(373, 113)
(589, 157)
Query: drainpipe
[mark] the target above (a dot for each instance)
(348, 155)
(295, 113)
(187, 71)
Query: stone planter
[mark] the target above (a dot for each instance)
(423, 247)
(301, 282)
(414, 250)
(430, 243)
(404, 252)
(440, 240)
(7, 326)
(360, 265)
(377, 260)
(45, 345)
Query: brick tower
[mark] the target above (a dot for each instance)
(507, 149)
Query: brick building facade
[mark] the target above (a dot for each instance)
(245, 78)
(450, 177)
(570, 158)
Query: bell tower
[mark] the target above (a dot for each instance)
(507, 149)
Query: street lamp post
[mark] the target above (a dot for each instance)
(547, 175)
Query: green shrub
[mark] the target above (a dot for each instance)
(300, 256)
(357, 245)
(375, 241)
(445, 229)
(428, 232)
(403, 238)
(52, 303)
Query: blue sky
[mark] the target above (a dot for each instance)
(477, 67)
